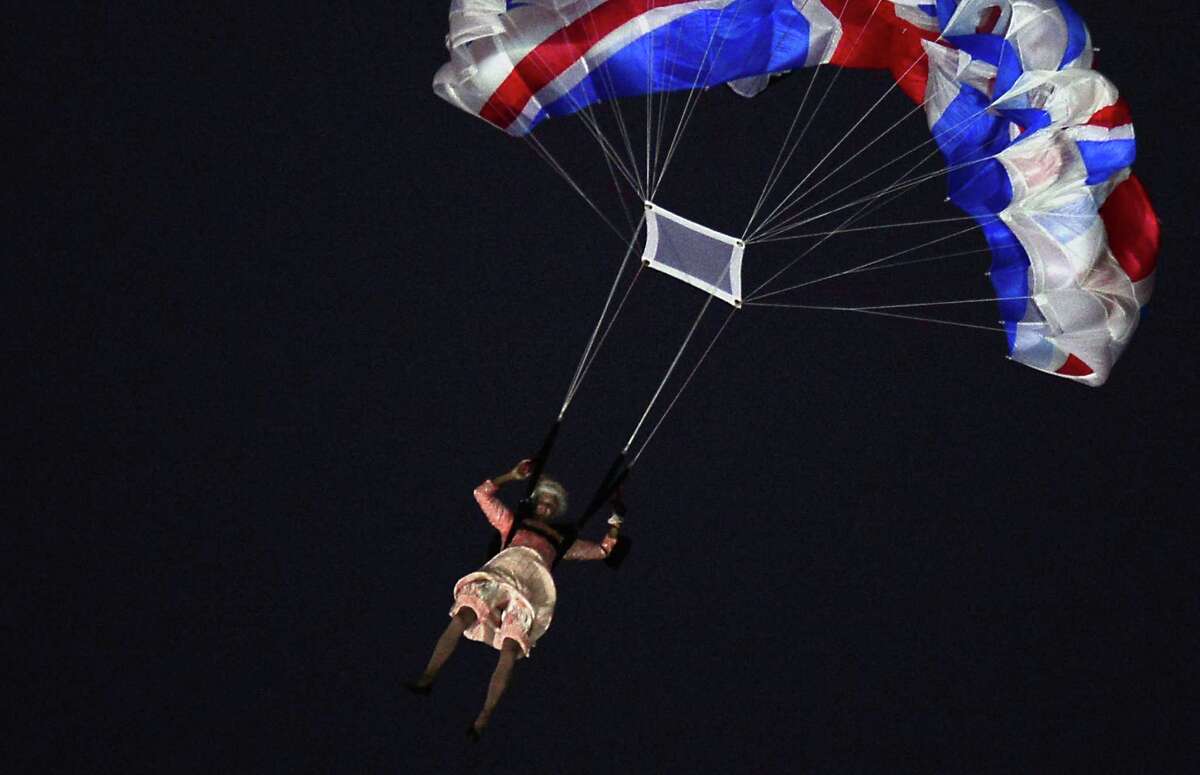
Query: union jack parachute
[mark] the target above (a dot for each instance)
(1037, 145)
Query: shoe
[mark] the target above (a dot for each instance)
(474, 733)
(418, 688)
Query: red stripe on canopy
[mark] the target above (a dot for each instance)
(1133, 230)
(1114, 115)
(551, 58)
(1074, 368)
(873, 37)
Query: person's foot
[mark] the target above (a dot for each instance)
(474, 733)
(419, 686)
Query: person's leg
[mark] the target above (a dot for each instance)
(500, 678)
(444, 648)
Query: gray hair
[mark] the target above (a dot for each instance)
(548, 486)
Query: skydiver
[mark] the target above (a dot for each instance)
(509, 602)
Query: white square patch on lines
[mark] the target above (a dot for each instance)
(696, 254)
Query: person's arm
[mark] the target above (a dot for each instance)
(499, 515)
(590, 550)
(518, 473)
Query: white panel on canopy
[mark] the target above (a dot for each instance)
(696, 254)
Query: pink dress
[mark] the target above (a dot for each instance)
(513, 594)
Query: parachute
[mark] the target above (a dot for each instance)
(1037, 145)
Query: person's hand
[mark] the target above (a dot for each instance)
(609, 542)
(520, 471)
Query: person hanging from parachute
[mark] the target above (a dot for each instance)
(509, 602)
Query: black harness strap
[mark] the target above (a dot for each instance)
(616, 475)
(525, 506)
(560, 534)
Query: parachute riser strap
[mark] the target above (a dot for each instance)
(613, 479)
(525, 506)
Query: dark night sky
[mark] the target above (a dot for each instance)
(281, 309)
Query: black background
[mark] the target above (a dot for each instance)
(277, 309)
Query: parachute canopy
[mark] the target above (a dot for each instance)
(1038, 145)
